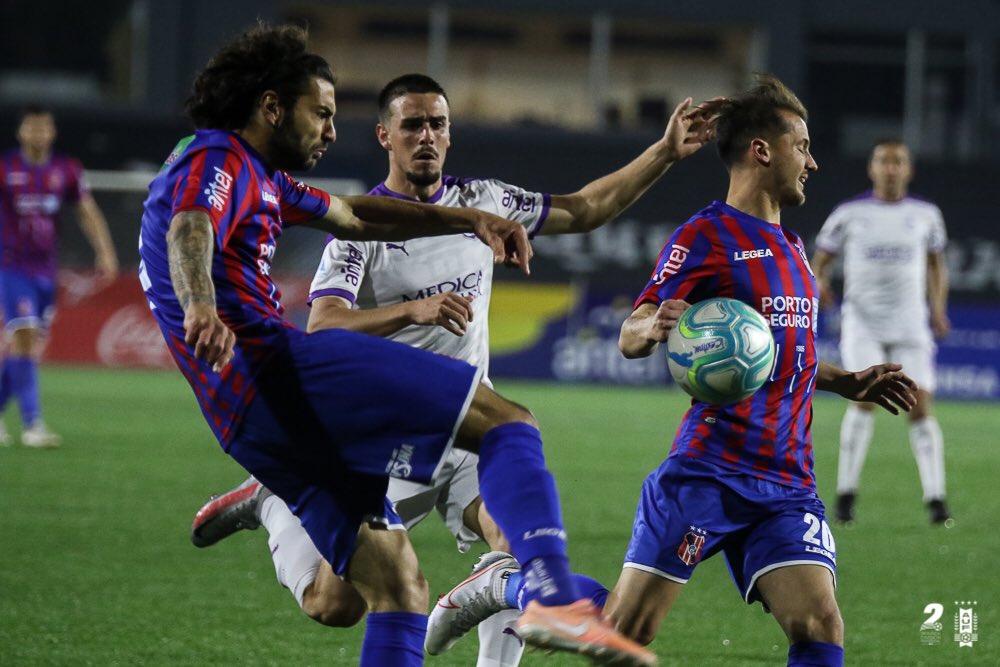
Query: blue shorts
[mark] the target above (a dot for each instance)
(690, 510)
(28, 301)
(339, 413)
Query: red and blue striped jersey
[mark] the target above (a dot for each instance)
(31, 196)
(723, 252)
(249, 204)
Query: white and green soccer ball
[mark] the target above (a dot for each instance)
(721, 351)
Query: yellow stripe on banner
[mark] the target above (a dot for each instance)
(519, 313)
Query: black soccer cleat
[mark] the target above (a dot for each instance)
(845, 507)
(940, 514)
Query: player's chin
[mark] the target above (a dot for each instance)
(795, 198)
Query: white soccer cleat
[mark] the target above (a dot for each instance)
(39, 436)
(471, 602)
(5, 439)
(229, 512)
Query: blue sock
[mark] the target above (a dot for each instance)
(588, 588)
(394, 639)
(4, 385)
(24, 384)
(815, 654)
(521, 496)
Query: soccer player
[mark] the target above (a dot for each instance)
(739, 478)
(35, 183)
(432, 293)
(324, 419)
(894, 265)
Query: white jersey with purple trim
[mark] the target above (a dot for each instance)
(885, 245)
(374, 274)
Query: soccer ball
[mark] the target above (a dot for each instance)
(721, 351)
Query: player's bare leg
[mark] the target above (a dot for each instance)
(478, 520)
(639, 603)
(331, 601)
(927, 444)
(803, 602)
(385, 572)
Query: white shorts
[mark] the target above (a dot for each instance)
(917, 357)
(456, 487)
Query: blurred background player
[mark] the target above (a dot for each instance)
(324, 419)
(894, 267)
(35, 183)
(431, 293)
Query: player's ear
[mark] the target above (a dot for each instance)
(382, 134)
(760, 150)
(271, 107)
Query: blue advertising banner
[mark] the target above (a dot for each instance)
(572, 335)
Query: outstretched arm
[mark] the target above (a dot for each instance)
(95, 228)
(603, 200)
(450, 311)
(884, 384)
(648, 326)
(189, 254)
(371, 218)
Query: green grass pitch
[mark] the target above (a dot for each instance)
(96, 567)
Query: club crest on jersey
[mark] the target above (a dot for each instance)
(218, 190)
(805, 259)
(690, 547)
(399, 465)
(743, 255)
(270, 198)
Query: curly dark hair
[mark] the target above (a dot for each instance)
(263, 58)
(403, 85)
(753, 113)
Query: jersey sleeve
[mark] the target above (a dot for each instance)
(530, 209)
(209, 181)
(832, 235)
(938, 237)
(341, 270)
(686, 268)
(300, 202)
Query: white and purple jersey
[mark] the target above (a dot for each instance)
(723, 252)
(371, 274)
(31, 196)
(249, 204)
(885, 245)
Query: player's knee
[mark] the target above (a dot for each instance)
(514, 413)
(340, 609)
(632, 622)
(821, 624)
(640, 630)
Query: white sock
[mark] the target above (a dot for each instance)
(927, 444)
(498, 648)
(296, 558)
(855, 436)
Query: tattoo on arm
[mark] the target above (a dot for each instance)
(189, 244)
